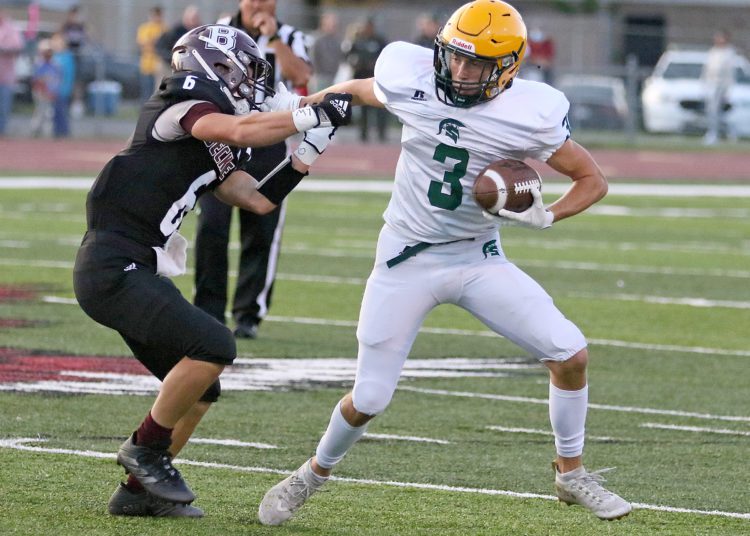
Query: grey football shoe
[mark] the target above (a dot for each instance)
(283, 500)
(125, 502)
(154, 470)
(584, 488)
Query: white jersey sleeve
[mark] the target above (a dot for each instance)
(553, 126)
(392, 81)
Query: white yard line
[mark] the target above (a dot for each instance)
(22, 444)
(535, 431)
(385, 186)
(477, 333)
(606, 407)
(698, 429)
(407, 438)
(663, 300)
(231, 443)
(523, 263)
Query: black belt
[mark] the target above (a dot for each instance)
(411, 251)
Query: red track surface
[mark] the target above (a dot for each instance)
(79, 157)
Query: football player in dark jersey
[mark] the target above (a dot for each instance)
(190, 138)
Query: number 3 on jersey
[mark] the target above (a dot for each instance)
(452, 199)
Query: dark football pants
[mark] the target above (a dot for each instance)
(116, 285)
(260, 238)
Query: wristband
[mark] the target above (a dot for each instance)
(279, 182)
(305, 118)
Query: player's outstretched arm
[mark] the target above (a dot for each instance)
(361, 89)
(589, 183)
(252, 130)
(264, 195)
(270, 127)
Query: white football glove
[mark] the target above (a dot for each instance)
(314, 143)
(534, 217)
(283, 101)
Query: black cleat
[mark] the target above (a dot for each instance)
(154, 470)
(125, 502)
(246, 331)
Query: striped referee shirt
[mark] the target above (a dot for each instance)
(288, 34)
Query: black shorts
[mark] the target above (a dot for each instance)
(116, 284)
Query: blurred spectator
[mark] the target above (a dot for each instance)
(148, 34)
(191, 18)
(427, 28)
(65, 62)
(540, 56)
(718, 77)
(361, 53)
(45, 82)
(11, 44)
(326, 52)
(74, 30)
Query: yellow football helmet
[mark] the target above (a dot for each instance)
(485, 31)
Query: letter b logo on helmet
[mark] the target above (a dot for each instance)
(224, 36)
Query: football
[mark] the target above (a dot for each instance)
(506, 183)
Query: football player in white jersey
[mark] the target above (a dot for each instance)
(461, 108)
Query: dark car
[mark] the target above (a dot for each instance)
(596, 102)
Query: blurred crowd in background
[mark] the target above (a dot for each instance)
(59, 74)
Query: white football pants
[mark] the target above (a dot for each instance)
(473, 274)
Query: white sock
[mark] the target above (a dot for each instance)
(567, 413)
(338, 439)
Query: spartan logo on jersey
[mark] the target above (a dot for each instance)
(490, 248)
(451, 128)
(566, 125)
(224, 36)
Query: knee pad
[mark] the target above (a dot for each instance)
(371, 398)
(212, 393)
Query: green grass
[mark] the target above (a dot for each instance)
(632, 258)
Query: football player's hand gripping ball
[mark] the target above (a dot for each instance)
(535, 217)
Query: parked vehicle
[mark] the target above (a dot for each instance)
(596, 102)
(673, 97)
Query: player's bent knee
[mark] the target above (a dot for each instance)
(371, 398)
(577, 362)
(217, 346)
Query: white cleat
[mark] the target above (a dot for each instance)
(283, 500)
(584, 488)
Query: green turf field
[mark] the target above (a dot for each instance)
(660, 286)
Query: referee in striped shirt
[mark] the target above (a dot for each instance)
(260, 236)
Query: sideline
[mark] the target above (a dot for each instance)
(379, 186)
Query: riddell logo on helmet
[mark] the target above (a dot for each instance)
(463, 45)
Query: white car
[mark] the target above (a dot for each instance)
(673, 96)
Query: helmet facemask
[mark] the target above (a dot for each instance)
(464, 94)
